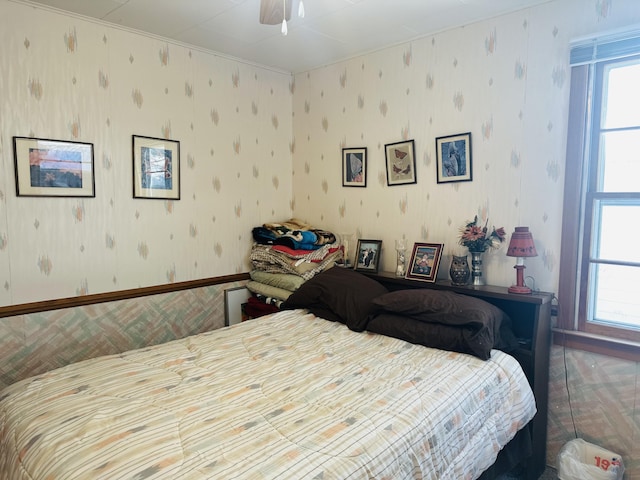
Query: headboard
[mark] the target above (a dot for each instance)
(531, 323)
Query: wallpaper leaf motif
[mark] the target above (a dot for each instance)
(143, 250)
(45, 265)
(171, 274)
(74, 128)
(238, 209)
(71, 40)
(103, 80)
(35, 88)
(166, 130)
(237, 146)
(78, 212)
(487, 129)
(430, 81)
(83, 289)
(235, 79)
(491, 42)
(276, 182)
(163, 54)
(515, 158)
(110, 241)
(215, 117)
(384, 108)
(188, 90)
(343, 79)
(406, 57)
(519, 71)
(136, 96)
(458, 101)
(558, 75)
(603, 7)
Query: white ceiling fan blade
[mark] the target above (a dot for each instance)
(271, 11)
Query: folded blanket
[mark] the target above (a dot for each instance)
(264, 258)
(268, 290)
(285, 281)
(294, 234)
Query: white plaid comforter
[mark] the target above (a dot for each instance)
(289, 396)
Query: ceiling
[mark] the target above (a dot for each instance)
(331, 31)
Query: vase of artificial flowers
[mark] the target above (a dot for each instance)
(478, 239)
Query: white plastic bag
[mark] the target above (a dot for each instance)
(580, 460)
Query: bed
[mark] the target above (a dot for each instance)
(290, 395)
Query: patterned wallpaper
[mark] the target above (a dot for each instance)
(67, 78)
(505, 80)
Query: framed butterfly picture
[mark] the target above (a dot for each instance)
(354, 167)
(401, 163)
(453, 158)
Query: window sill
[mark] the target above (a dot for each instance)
(612, 347)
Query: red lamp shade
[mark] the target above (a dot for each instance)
(521, 245)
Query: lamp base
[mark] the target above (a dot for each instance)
(518, 289)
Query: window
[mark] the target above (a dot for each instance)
(599, 298)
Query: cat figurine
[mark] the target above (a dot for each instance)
(459, 270)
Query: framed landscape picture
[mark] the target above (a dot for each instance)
(453, 158)
(53, 168)
(156, 168)
(401, 162)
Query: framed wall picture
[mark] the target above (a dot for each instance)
(53, 168)
(401, 162)
(453, 158)
(425, 260)
(156, 168)
(354, 167)
(368, 255)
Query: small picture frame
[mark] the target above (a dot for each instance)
(424, 263)
(156, 168)
(401, 163)
(354, 167)
(53, 168)
(453, 158)
(368, 255)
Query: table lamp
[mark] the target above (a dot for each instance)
(520, 246)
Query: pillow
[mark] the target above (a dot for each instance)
(449, 308)
(338, 294)
(462, 339)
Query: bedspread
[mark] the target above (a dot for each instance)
(287, 396)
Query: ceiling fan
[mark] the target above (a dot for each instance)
(273, 12)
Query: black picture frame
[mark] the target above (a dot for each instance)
(401, 163)
(53, 168)
(453, 158)
(368, 255)
(354, 167)
(156, 168)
